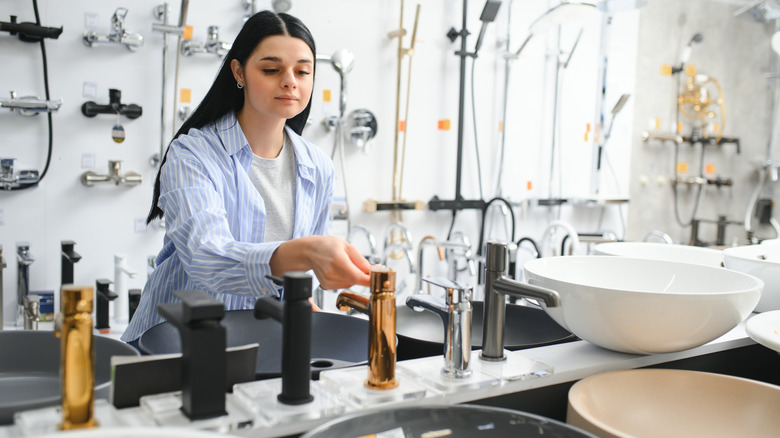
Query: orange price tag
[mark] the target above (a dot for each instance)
(326, 95)
(185, 95)
(402, 126)
(529, 185)
(444, 125)
(187, 35)
(709, 169)
(682, 167)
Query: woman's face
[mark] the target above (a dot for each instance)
(278, 77)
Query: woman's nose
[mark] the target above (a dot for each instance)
(288, 80)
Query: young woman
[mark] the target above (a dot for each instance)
(242, 193)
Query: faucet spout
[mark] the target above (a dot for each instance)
(351, 301)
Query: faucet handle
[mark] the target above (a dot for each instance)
(456, 292)
(297, 285)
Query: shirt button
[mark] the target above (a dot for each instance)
(265, 289)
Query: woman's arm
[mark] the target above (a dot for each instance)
(336, 263)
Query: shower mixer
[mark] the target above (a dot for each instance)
(118, 35)
(90, 178)
(29, 105)
(114, 106)
(9, 181)
(211, 45)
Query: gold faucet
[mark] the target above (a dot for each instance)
(380, 309)
(77, 366)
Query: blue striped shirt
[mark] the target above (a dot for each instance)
(215, 219)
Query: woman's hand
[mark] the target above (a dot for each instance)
(336, 263)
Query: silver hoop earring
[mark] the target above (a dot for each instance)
(239, 85)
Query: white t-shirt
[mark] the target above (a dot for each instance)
(274, 178)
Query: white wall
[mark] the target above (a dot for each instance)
(104, 219)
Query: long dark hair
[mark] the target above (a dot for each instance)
(223, 97)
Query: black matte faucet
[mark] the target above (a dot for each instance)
(295, 315)
(69, 258)
(203, 341)
(103, 295)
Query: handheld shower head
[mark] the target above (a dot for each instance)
(281, 5)
(686, 53)
(342, 61)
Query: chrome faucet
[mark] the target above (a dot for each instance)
(29, 105)
(211, 45)
(373, 258)
(90, 178)
(459, 237)
(497, 284)
(449, 246)
(23, 261)
(118, 35)
(455, 313)
(404, 239)
(405, 253)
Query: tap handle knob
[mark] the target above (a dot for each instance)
(297, 285)
(101, 286)
(456, 292)
(199, 306)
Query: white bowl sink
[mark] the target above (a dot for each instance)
(673, 403)
(764, 328)
(644, 306)
(662, 251)
(762, 261)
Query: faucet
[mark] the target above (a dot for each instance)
(77, 361)
(23, 261)
(29, 105)
(32, 312)
(103, 296)
(372, 257)
(212, 44)
(9, 181)
(380, 309)
(449, 245)
(455, 313)
(118, 35)
(571, 233)
(497, 284)
(68, 259)
(295, 316)
(404, 240)
(398, 248)
(90, 178)
(122, 303)
(2, 266)
(203, 342)
(459, 237)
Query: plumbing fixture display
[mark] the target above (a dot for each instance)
(24, 259)
(212, 45)
(90, 178)
(380, 309)
(701, 101)
(30, 32)
(295, 316)
(69, 257)
(121, 312)
(118, 34)
(77, 366)
(11, 181)
(103, 296)
(360, 128)
(29, 105)
(32, 312)
(450, 247)
(203, 342)
(455, 313)
(2, 267)
(114, 106)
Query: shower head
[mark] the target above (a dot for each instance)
(686, 53)
(281, 5)
(563, 13)
(342, 61)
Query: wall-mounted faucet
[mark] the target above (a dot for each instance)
(29, 105)
(211, 45)
(118, 35)
(380, 309)
(455, 313)
(114, 106)
(9, 181)
(90, 178)
(295, 316)
(69, 258)
(497, 284)
(122, 302)
(24, 259)
(77, 362)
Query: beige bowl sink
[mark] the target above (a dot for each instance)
(674, 403)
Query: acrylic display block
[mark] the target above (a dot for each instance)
(166, 411)
(350, 383)
(260, 398)
(429, 371)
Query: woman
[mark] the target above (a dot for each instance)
(242, 193)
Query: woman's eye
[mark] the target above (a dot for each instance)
(303, 72)
(270, 70)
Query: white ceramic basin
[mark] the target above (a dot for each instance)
(644, 306)
(762, 261)
(662, 251)
(673, 403)
(764, 328)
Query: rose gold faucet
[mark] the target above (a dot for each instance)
(77, 361)
(380, 309)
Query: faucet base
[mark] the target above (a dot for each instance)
(492, 359)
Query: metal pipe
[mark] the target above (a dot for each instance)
(2, 267)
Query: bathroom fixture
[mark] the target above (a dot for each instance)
(2, 267)
(32, 312)
(29, 32)
(449, 246)
(77, 363)
(133, 300)
(455, 313)
(571, 235)
(118, 35)
(24, 259)
(276, 5)
(9, 181)
(372, 256)
(360, 126)
(211, 45)
(399, 234)
(761, 261)
(659, 235)
(295, 316)
(602, 142)
(161, 13)
(68, 258)
(488, 15)
(29, 105)
(203, 342)
(380, 309)
(122, 302)
(90, 178)
(103, 296)
(114, 106)
(497, 284)
(396, 248)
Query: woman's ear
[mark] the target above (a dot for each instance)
(238, 70)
